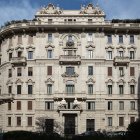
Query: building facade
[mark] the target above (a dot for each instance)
(71, 66)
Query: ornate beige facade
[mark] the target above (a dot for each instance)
(72, 66)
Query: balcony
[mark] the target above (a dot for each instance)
(70, 59)
(18, 61)
(121, 61)
(6, 98)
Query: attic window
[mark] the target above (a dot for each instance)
(69, 20)
(49, 20)
(89, 20)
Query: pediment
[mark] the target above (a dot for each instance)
(49, 80)
(121, 47)
(49, 46)
(121, 81)
(9, 82)
(19, 48)
(19, 81)
(30, 81)
(132, 82)
(109, 81)
(91, 80)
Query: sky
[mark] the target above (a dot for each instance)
(26, 9)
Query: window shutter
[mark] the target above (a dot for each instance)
(109, 71)
(18, 105)
(29, 105)
(49, 70)
(132, 71)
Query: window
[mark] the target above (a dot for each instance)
(70, 71)
(109, 37)
(90, 89)
(49, 70)
(10, 56)
(132, 71)
(18, 121)
(90, 105)
(30, 89)
(49, 37)
(90, 53)
(121, 71)
(90, 20)
(29, 105)
(30, 39)
(132, 119)
(121, 90)
(90, 39)
(120, 53)
(9, 121)
(10, 73)
(30, 54)
(121, 105)
(132, 89)
(70, 88)
(121, 121)
(90, 70)
(109, 71)
(19, 73)
(18, 89)
(49, 20)
(19, 54)
(19, 39)
(18, 105)
(109, 105)
(49, 105)
(30, 71)
(132, 105)
(29, 121)
(9, 89)
(109, 121)
(49, 88)
(132, 39)
(132, 55)
(120, 38)
(109, 55)
(49, 54)
(110, 89)
(9, 106)
(90, 125)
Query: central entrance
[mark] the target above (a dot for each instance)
(69, 126)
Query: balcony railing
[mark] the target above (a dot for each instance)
(70, 59)
(121, 61)
(18, 61)
(6, 98)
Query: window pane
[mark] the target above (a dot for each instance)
(120, 38)
(18, 105)
(121, 90)
(132, 71)
(49, 37)
(29, 121)
(90, 70)
(132, 55)
(109, 71)
(131, 38)
(109, 89)
(18, 89)
(49, 89)
(121, 121)
(90, 89)
(19, 73)
(109, 121)
(49, 54)
(30, 55)
(30, 90)
(30, 71)
(109, 38)
(18, 121)
(29, 105)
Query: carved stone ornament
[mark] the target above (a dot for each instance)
(49, 80)
(90, 81)
(132, 82)
(50, 9)
(66, 75)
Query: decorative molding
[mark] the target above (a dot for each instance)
(19, 81)
(109, 47)
(49, 46)
(121, 47)
(10, 50)
(109, 81)
(91, 80)
(73, 75)
(90, 46)
(49, 80)
(9, 82)
(121, 81)
(30, 81)
(30, 48)
(19, 48)
(132, 82)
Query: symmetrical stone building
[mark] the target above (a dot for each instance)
(71, 66)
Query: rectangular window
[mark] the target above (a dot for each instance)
(132, 105)
(109, 55)
(30, 39)
(90, 105)
(90, 70)
(132, 71)
(132, 119)
(109, 89)
(18, 105)
(49, 54)
(9, 89)
(9, 121)
(18, 121)
(89, 20)
(121, 71)
(19, 54)
(49, 37)
(10, 56)
(90, 89)
(90, 125)
(90, 53)
(132, 89)
(70, 89)
(121, 105)
(49, 105)
(30, 71)
(19, 72)
(120, 53)
(121, 121)
(18, 89)
(30, 54)
(19, 39)
(70, 71)
(49, 89)
(120, 38)
(9, 106)
(109, 71)
(109, 121)
(109, 39)
(132, 39)
(30, 105)
(109, 105)
(50, 21)
(29, 119)
(132, 55)
(10, 73)
(121, 90)
(90, 38)
(49, 70)
(30, 89)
